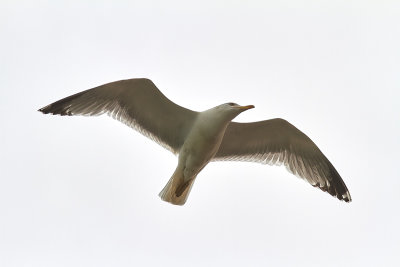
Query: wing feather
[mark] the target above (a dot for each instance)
(137, 103)
(277, 142)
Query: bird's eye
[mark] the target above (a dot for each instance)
(231, 104)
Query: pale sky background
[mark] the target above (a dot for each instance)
(78, 191)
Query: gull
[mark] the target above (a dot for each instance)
(200, 137)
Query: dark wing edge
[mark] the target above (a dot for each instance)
(135, 102)
(277, 142)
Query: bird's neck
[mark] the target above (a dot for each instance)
(211, 123)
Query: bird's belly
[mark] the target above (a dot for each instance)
(196, 153)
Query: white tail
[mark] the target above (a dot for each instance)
(176, 191)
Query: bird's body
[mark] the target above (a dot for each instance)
(200, 146)
(200, 137)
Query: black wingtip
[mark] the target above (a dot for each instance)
(338, 188)
(333, 191)
(347, 197)
(45, 110)
(343, 197)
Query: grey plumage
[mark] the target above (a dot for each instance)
(139, 104)
(277, 142)
(130, 101)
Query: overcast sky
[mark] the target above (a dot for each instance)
(77, 191)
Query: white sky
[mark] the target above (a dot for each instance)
(83, 191)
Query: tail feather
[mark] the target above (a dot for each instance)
(176, 191)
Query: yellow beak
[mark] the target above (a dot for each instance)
(246, 107)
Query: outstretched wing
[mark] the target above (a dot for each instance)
(137, 103)
(277, 141)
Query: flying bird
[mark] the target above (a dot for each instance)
(200, 137)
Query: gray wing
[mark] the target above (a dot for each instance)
(137, 103)
(278, 142)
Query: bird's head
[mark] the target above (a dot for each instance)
(231, 110)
